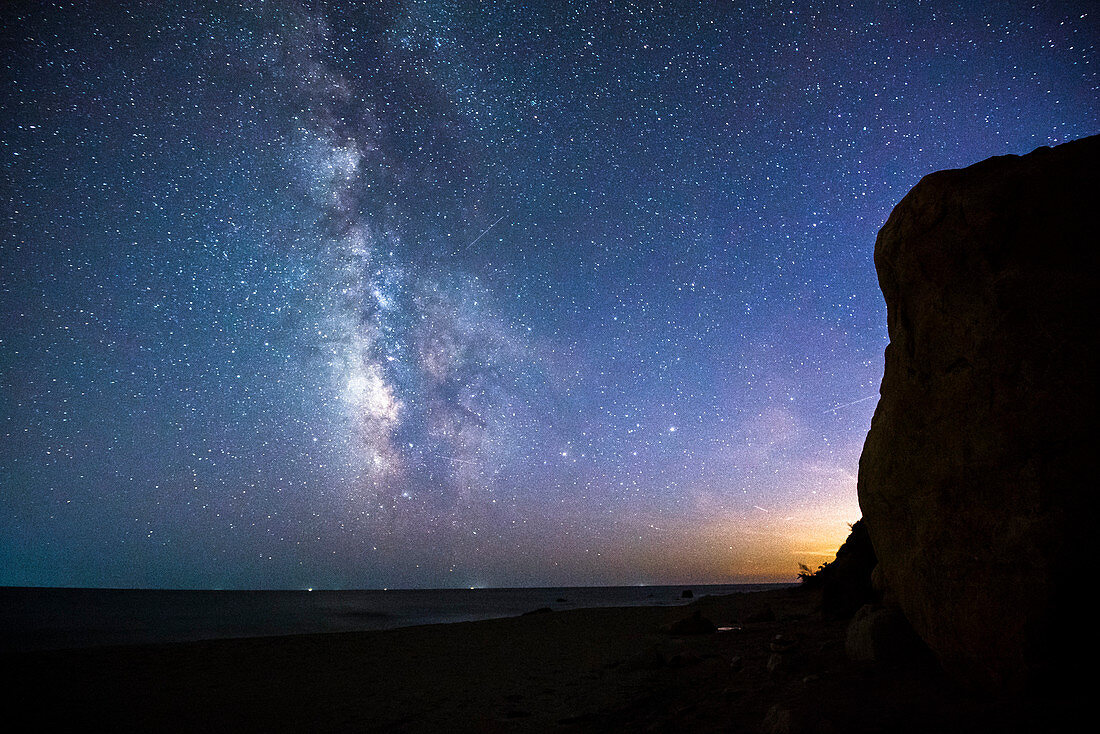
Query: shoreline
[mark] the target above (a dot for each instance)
(60, 618)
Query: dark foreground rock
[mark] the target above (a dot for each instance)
(881, 634)
(975, 471)
(696, 624)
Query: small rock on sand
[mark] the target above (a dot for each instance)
(696, 624)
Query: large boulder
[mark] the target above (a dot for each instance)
(974, 474)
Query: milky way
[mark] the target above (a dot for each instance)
(461, 293)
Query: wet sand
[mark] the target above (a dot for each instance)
(782, 668)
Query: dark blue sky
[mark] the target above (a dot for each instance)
(461, 293)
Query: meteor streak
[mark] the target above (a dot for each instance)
(846, 405)
(467, 247)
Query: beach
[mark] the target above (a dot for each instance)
(780, 667)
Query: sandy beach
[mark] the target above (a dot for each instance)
(782, 667)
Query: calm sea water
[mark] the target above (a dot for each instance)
(42, 619)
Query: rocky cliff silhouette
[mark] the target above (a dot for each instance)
(981, 453)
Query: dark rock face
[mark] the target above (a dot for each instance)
(846, 581)
(974, 474)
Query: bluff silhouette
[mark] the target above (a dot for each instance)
(974, 475)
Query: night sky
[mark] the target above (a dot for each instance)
(423, 294)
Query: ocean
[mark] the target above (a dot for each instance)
(49, 618)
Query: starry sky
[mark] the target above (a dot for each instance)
(456, 293)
